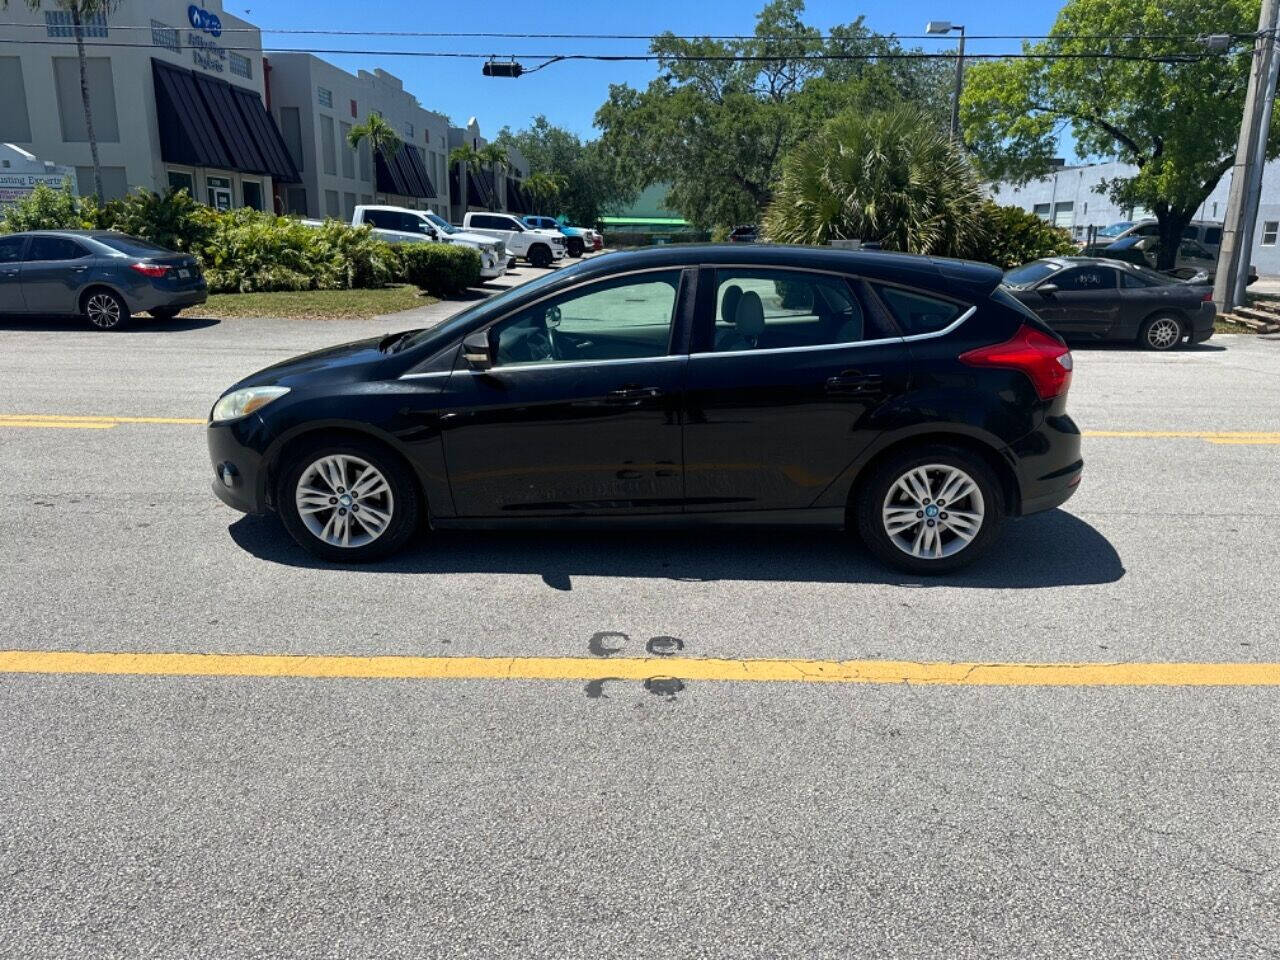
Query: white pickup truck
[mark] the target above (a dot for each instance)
(539, 247)
(402, 225)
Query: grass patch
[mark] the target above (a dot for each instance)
(314, 304)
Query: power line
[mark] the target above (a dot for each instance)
(1189, 57)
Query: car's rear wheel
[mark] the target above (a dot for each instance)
(104, 310)
(165, 313)
(540, 256)
(575, 247)
(348, 500)
(930, 510)
(1164, 331)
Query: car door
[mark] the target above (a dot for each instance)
(787, 371)
(53, 273)
(502, 228)
(1081, 301)
(580, 413)
(10, 274)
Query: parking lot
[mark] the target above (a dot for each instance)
(600, 791)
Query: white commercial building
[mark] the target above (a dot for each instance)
(177, 96)
(317, 104)
(21, 172)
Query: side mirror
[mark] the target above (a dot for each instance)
(1047, 289)
(476, 350)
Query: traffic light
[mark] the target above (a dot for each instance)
(503, 68)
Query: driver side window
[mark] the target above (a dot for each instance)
(622, 319)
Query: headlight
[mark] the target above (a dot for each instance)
(241, 403)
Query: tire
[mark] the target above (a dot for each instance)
(165, 313)
(326, 468)
(1164, 331)
(910, 544)
(540, 256)
(575, 247)
(104, 310)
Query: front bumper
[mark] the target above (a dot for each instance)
(239, 471)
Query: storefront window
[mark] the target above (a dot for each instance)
(182, 181)
(219, 191)
(251, 191)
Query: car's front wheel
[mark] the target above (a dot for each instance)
(540, 256)
(930, 510)
(104, 310)
(1161, 332)
(575, 247)
(348, 500)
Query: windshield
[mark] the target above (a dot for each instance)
(1115, 229)
(459, 320)
(442, 223)
(1030, 273)
(130, 246)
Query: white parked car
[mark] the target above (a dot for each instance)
(402, 225)
(540, 247)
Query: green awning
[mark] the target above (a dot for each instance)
(646, 221)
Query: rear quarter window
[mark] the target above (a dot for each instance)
(918, 312)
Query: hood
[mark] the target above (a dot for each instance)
(553, 234)
(474, 239)
(346, 361)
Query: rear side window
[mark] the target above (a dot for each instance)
(918, 312)
(55, 248)
(11, 249)
(131, 246)
(777, 309)
(1087, 278)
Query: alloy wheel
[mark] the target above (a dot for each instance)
(103, 311)
(933, 511)
(1163, 333)
(344, 501)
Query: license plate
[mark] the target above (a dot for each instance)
(184, 274)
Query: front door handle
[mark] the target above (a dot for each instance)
(852, 382)
(632, 396)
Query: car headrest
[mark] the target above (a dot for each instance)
(749, 318)
(729, 303)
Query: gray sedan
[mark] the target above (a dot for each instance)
(103, 276)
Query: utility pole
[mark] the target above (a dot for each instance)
(942, 28)
(1246, 175)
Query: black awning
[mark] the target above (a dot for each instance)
(187, 133)
(477, 189)
(388, 176)
(455, 189)
(207, 122)
(517, 202)
(267, 136)
(403, 172)
(416, 169)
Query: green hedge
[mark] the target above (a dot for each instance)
(643, 238)
(441, 269)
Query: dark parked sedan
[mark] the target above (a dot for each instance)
(1098, 299)
(102, 276)
(909, 397)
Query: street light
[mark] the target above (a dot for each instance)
(943, 27)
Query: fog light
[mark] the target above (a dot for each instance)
(228, 473)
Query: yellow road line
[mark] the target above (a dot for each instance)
(54, 419)
(46, 425)
(636, 668)
(1219, 436)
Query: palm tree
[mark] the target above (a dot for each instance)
(495, 157)
(890, 176)
(382, 138)
(469, 160)
(82, 10)
(544, 186)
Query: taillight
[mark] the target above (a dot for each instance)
(1208, 297)
(150, 269)
(1042, 358)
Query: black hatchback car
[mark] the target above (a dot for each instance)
(103, 276)
(1101, 299)
(909, 397)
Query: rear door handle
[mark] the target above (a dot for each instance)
(852, 382)
(632, 396)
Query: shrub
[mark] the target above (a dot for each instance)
(1012, 236)
(890, 176)
(438, 268)
(643, 238)
(171, 219)
(349, 257)
(44, 209)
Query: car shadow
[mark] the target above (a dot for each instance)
(47, 324)
(1051, 549)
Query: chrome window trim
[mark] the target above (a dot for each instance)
(805, 349)
(424, 376)
(949, 328)
(561, 365)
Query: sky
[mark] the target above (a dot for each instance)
(569, 93)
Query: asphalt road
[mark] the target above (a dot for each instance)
(266, 817)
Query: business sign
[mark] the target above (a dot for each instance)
(201, 19)
(15, 186)
(205, 53)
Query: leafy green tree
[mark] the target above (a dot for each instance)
(44, 209)
(1175, 118)
(468, 160)
(381, 136)
(893, 176)
(81, 11)
(544, 187)
(585, 173)
(717, 129)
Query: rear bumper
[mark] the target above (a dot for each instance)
(1202, 326)
(1048, 464)
(155, 298)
